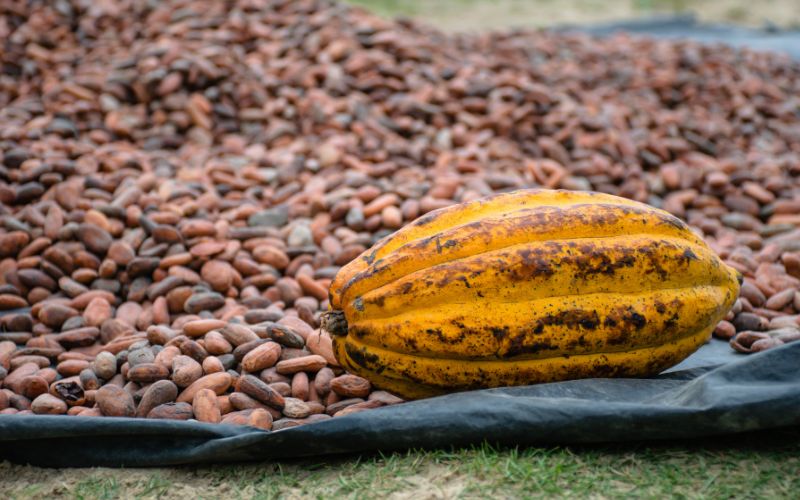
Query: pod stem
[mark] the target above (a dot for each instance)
(334, 322)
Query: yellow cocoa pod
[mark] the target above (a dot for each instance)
(526, 287)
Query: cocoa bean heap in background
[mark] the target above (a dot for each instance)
(181, 180)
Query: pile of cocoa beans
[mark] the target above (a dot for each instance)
(180, 181)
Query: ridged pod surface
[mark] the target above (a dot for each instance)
(526, 287)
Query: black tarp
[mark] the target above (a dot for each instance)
(714, 392)
(755, 392)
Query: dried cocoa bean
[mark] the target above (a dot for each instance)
(217, 382)
(206, 407)
(113, 401)
(158, 393)
(46, 404)
(260, 391)
(172, 411)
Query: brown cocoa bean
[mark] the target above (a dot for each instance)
(206, 407)
(385, 397)
(212, 365)
(282, 388)
(95, 238)
(319, 342)
(780, 300)
(46, 404)
(260, 391)
(172, 411)
(200, 327)
(216, 344)
(105, 365)
(185, 371)
(263, 356)
(54, 315)
(300, 386)
(322, 381)
(312, 363)
(113, 401)
(334, 408)
(217, 382)
(148, 372)
(350, 386)
(32, 386)
(218, 274)
(724, 330)
(72, 367)
(241, 401)
(358, 407)
(295, 408)
(158, 393)
(238, 334)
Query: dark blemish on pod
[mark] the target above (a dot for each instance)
(671, 220)
(572, 318)
(426, 219)
(362, 357)
(636, 320)
(536, 263)
(689, 255)
(370, 258)
(437, 332)
(518, 346)
(669, 324)
(499, 333)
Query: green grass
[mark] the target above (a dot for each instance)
(763, 465)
